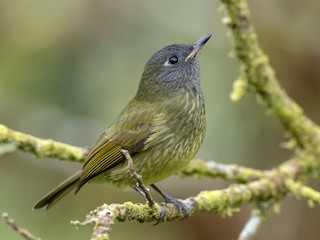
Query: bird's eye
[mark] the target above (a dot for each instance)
(173, 60)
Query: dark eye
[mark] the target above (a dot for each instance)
(173, 60)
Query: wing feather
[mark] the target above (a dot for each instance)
(107, 152)
(136, 129)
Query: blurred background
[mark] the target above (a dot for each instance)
(67, 68)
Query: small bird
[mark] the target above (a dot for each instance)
(162, 127)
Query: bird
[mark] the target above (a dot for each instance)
(161, 128)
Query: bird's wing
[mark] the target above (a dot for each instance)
(107, 152)
(136, 138)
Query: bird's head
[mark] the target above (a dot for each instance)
(172, 68)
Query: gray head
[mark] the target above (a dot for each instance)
(171, 69)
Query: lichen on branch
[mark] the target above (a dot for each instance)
(41, 147)
(257, 72)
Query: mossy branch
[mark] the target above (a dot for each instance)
(41, 147)
(265, 192)
(232, 172)
(301, 191)
(258, 77)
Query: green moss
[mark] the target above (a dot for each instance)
(240, 87)
(41, 147)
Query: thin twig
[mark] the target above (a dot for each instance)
(21, 231)
(138, 178)
(258, 215)
(251, 227)
(301, 191)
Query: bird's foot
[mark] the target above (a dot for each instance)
(182, 207)
(178, 204)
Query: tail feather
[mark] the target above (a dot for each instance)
(58, 192)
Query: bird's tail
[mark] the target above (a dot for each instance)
(58, 192)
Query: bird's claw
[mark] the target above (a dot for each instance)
(178, 204)
(162, 215)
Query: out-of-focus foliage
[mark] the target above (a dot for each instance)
(68, 67)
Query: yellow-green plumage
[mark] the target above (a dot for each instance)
(162, 127)
(166, 139)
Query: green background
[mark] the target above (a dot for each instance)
(67, 68)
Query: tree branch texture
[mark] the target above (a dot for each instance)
(21, 231)
(41, 147)
(263, 188)
(259, 77)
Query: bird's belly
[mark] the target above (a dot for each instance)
(173, 150)
(154, 164)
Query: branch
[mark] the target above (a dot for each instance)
(21, 231)
(301, 191)
(41, 147)
(223, 202)
(200, 168)
(258, 77)
(258, 215)
(251, 227)
(103, 220)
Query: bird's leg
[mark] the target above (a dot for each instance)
(139, 187)
(138, 190)
(179, 204)
(162, 210)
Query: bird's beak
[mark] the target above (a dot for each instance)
(197, 46)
